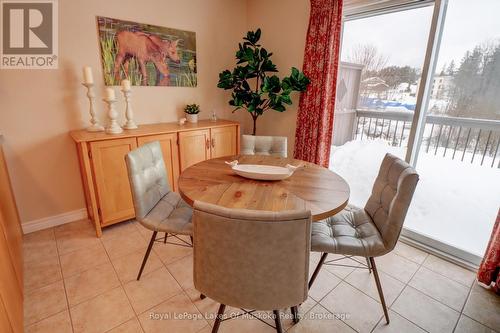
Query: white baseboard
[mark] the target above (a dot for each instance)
(55, 220)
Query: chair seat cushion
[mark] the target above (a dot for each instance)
(171, 214)
(351, 232)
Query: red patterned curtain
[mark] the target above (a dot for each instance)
(315, 117)
(489, 271)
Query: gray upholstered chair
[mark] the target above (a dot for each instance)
(374, 230)
(157, 208)
(251, 259)
(264, 145)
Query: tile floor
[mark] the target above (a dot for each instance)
(75, 282)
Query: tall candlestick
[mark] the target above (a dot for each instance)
(113, 127)
(110, 93)
(126, 84)
(95, 127)
(129, 115)
(87, 75)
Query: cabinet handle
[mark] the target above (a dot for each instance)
(208, 144)
(213, 142)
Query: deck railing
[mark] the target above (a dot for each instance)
(466, 139)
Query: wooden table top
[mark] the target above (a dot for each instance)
(313, 187)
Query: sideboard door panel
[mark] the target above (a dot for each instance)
(111, 178)
(170, 152)
(223, 141)
(194, 147)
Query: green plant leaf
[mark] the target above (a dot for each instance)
(263, 53)
(226, 80)
(285, 98)
(271, 84)
(268, 66)
(253, 37)
(257, 35)
(252, 88)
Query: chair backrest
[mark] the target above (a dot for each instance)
(147, 176)
(390, 198)
(264, 145)
(251, 259)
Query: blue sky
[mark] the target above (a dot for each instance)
(402, 36)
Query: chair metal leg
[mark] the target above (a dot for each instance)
(146, 256)
(369, 265)
(277, 321)
(218, 320)
(316, 271)
(202, 296)
(379, 287)
(295, 314)
(165, 239)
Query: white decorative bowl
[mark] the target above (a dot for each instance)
(262, 172)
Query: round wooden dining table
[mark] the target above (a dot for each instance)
(311, 187)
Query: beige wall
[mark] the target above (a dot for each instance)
(39, 107)
(284, 27)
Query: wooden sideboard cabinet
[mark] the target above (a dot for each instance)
(104, 173)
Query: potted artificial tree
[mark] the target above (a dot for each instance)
(191, 111)
(252, 88)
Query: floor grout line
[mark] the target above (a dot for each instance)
(316, 302)
(389, 308)
(183, 291)
(48, 284)
(149, 309)
(401, 315)
(406, 285)
(100, 294)
(472, 284)
(462, 310)
(338, 284)
(123, 289)
(465, 315)
(482, 324)
(64, 283)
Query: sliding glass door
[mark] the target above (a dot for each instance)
(458, 197)
(443, 117)
(377, 86)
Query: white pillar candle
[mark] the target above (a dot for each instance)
(126, 84)
(110, 93)
(87, 75)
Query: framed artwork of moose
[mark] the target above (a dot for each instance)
(147, 55)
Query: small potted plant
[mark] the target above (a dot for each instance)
(192, 111)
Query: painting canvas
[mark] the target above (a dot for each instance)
(147, 55)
